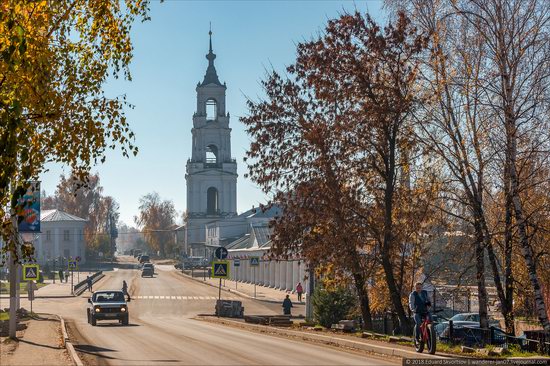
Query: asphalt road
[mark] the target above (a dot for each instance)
(162, 330)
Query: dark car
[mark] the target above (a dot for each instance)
(147, 270)
(107, 305)
(144, 259)
(462, 320)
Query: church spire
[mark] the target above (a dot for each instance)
(211, 77)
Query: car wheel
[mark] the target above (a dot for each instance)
(93, 320)
(126, 320)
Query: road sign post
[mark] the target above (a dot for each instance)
(72, 265)
(254, 262)
(220, 269)
(236, 263)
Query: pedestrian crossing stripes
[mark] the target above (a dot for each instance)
(185, 298)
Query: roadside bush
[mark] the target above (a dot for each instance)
(329, 307)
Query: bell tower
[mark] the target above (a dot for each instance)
(211, 173)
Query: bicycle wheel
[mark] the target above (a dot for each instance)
(431, 341)
(418, 344)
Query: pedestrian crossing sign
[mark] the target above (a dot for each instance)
(72, 265)
(220, 269)
(31, 272)
(254, 261)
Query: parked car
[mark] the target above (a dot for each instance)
(107, 305)
(194, 262)
(462, 320)
(148, 270)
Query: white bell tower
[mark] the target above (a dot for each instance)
(211, 172)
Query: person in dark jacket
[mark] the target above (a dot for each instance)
(419, 303)
(89, 282)
(287, 304)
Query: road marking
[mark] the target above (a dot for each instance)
(156, 297)
(195, 297)
(172, 297)
(201, 298)
(178, 297)
(162, 297)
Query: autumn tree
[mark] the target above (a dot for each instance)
(156, 220)
(333, 143)
(55, 58)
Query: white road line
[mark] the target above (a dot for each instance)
(195, 297)
(156, 297)
(172, 297)
(201, 298)
(162, 297)
(178, 297)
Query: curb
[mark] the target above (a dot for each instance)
(68, 344)
(242, 294)
(363, 346)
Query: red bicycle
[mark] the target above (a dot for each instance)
(427, 336)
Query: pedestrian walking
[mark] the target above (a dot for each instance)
(90, 283)
(299, 291)
(60, 275)
(125, 290)
(287, 304)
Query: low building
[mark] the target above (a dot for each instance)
(62, 235)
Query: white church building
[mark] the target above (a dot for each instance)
(211, 176)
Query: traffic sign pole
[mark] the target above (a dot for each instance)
(254, 282)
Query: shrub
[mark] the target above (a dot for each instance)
(329, 307)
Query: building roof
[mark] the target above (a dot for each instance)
(258, 213)
(261, 233)
(56, 215)
(241, 243)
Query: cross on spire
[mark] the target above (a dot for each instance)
(211, 76)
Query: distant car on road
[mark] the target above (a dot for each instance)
(144, 259)
(107, 305)
(148, 270)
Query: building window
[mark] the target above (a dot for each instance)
(211, 110)
(48, 235)
(212, 205)
(66, 235)
(211, 154)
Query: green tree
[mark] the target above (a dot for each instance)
(332, 305)
(55, 57)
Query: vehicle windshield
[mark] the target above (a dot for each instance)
(466, 317)
(110, 296)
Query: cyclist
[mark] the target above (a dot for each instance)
(419, 303)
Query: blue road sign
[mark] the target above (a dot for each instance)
(254, 261)
(220, 269)
(72, 265)
(220, 253)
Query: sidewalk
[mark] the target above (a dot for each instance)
(40, 344)
(263, 293)
(330, 338)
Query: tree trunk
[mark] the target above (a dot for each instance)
(362, 294)
(527, 253)
(480, 277)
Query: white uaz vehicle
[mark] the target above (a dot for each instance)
(107, 305)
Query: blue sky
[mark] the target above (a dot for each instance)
(249, 37)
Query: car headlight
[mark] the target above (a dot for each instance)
(97, 310)
(123, 309)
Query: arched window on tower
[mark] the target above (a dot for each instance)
(211, 110)
(211, 154)
(212, 201)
